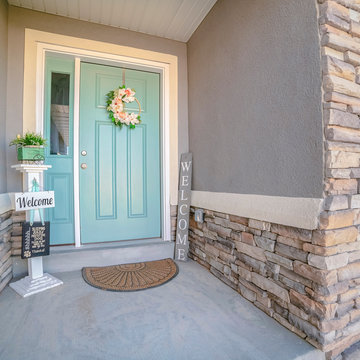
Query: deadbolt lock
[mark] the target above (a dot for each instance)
(84, 153)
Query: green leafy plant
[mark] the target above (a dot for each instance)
(28, 139)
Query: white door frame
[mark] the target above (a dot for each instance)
(121, 61)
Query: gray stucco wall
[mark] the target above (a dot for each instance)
(19, 19)
(3, 71)
(255, 122)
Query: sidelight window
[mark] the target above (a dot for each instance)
(59, 114)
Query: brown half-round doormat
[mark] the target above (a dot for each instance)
(131, 277)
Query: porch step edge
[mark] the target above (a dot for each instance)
(74, 260)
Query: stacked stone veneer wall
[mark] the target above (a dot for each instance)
(278, 269)
(10, 243)
(338, 252)
(309, 281)
(5, 249)
(16, 233)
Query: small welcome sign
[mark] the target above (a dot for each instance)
(182, 228)
(34, 200)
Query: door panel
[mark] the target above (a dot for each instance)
(58, 130)
(120, 188)
(136, 160)
(105, 170)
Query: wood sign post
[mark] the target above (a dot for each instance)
(35, 243)
(182, 228)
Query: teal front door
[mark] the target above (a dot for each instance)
(119, 169)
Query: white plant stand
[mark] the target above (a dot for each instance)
(36, 281)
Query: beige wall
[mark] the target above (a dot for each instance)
(255, 119)
(19, 19)
(3, 70)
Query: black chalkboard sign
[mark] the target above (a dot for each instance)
(35, 239)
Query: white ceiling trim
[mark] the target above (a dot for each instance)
(172, 19)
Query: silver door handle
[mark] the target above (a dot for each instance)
(83, 166)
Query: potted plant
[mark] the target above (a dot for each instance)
(30, 147)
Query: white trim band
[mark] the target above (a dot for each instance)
(302, 213)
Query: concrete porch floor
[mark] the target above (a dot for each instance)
(194, 316)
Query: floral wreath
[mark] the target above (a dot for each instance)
(116, 100)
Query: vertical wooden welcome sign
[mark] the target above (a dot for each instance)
(182, 228)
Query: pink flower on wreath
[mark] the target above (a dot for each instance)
(134, 119)
(116, 106)
(122, 115)
(129, 95)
